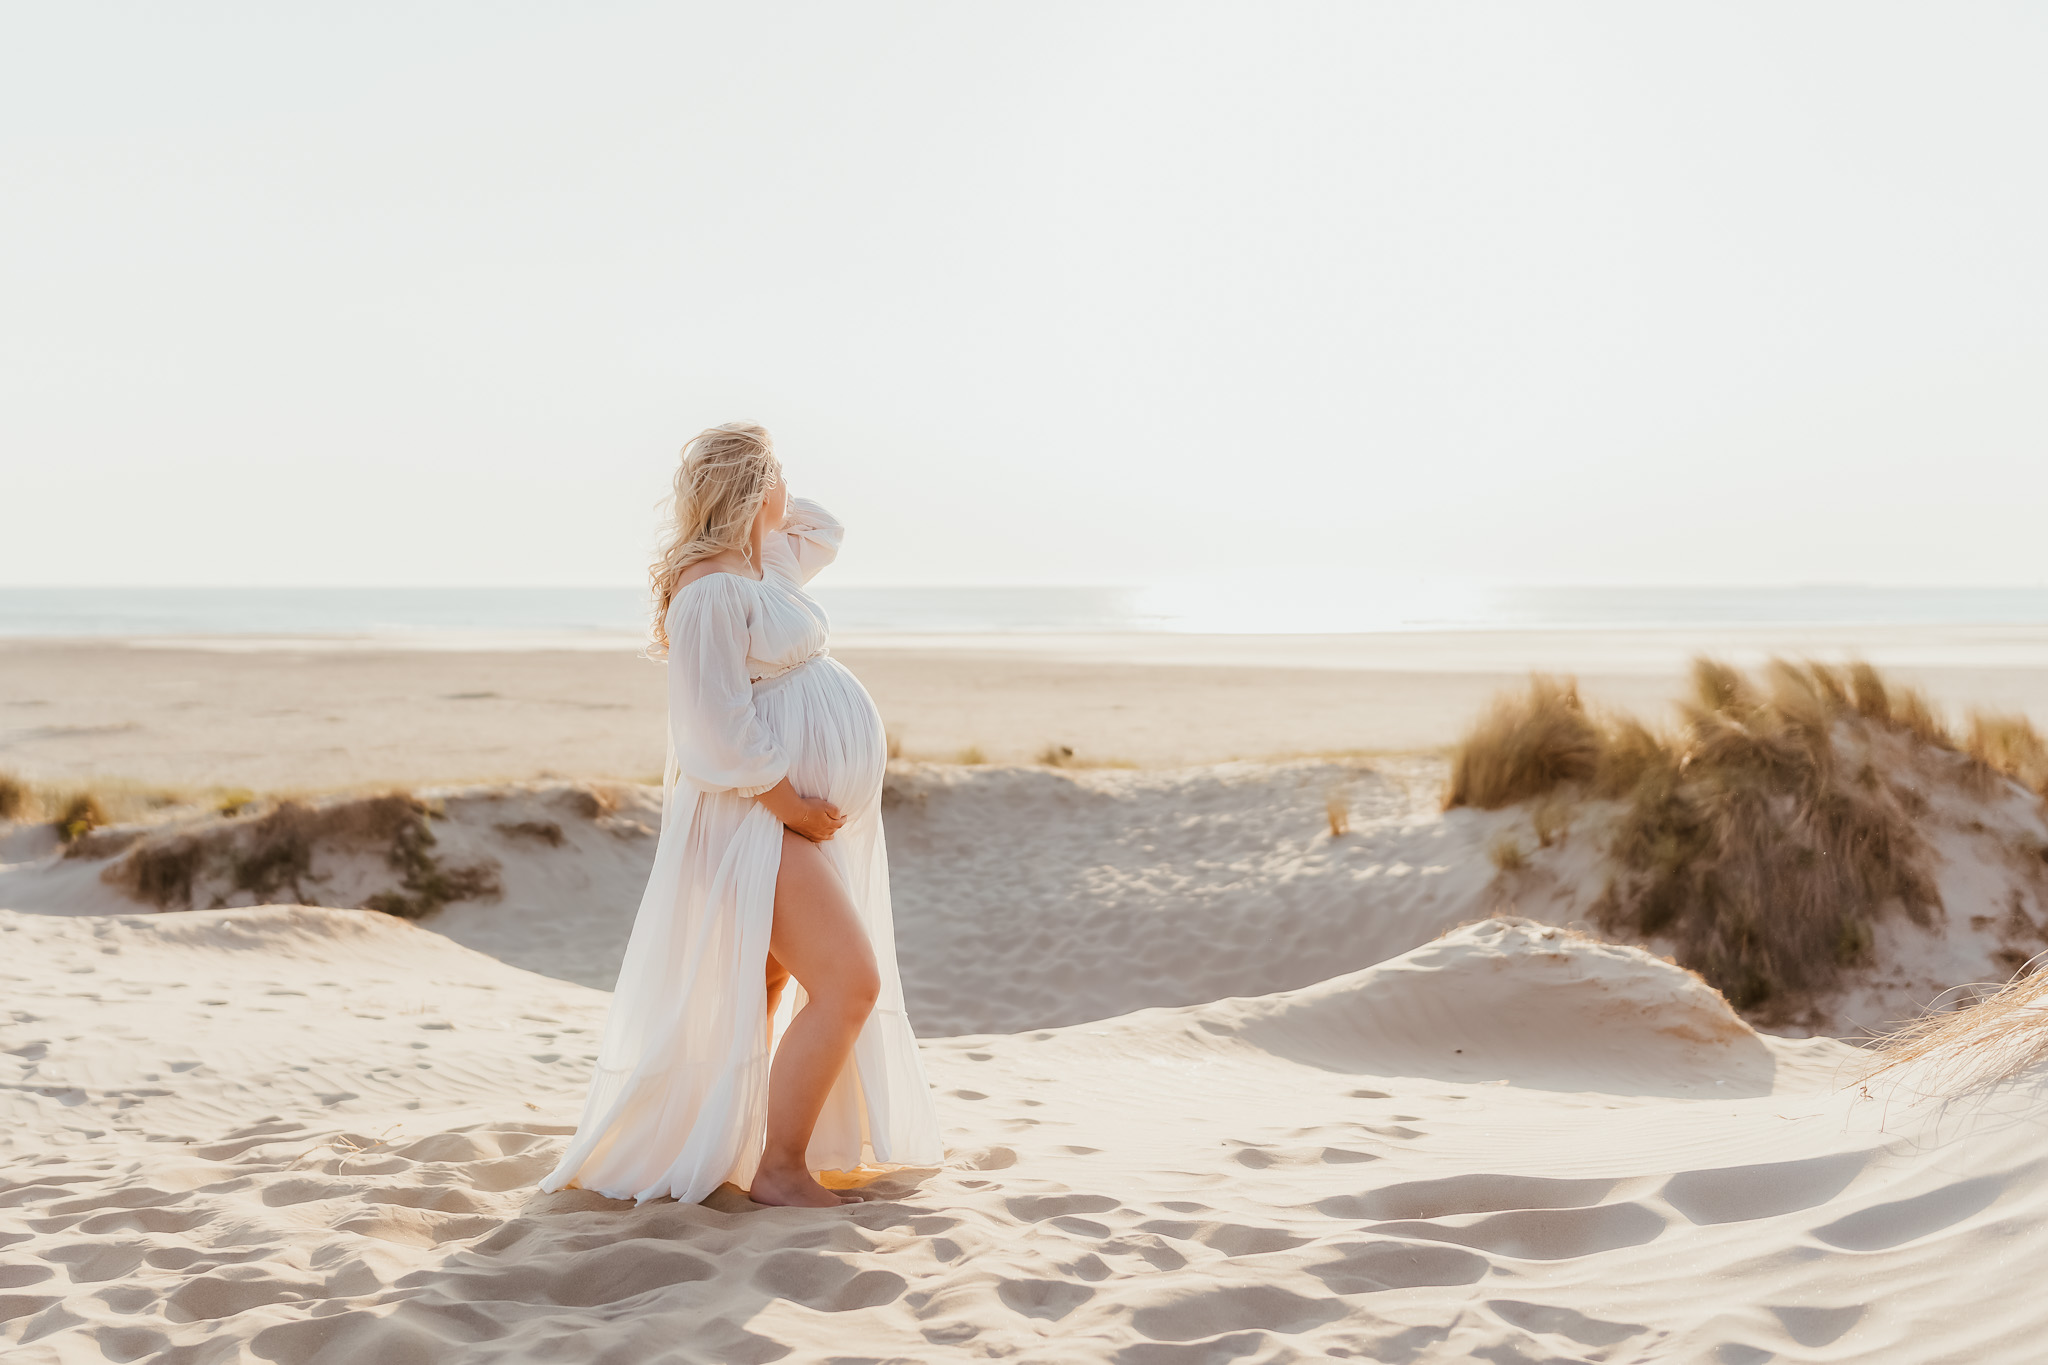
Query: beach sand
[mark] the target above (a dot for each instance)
(306, 1135)
(311, 715)
(1237, 1061)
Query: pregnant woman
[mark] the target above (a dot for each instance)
(770, 866)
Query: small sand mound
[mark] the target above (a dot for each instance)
(300, 935)
(1511, 997)
(333, 851)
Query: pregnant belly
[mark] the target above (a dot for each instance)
(827, 724)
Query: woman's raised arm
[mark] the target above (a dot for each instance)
(814, 536)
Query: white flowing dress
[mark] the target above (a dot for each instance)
(678, 1103)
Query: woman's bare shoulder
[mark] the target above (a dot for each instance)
(708, 568)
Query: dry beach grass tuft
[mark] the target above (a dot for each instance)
(2011, 746)
(1998, 1039)
(271, 855)
(1768, 833)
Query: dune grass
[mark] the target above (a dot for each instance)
(2009, 745)
(14, 797)
(1337, 810)
(1526, 745)
(269, 856)
(80, 816)
(1764, 837)
(2000, 1037)
(1056, 755)
(75, 808)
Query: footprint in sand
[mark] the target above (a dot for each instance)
(1545, 1234)
(1739, 1194)
(1883, 1226)
(1233, 1308)
(1048, 1299)
(1810, 1326)
(826, 1283)
(1551, 1320)
(1232, 1239)
(1384, 1263)
(1036, 1208)
(1148, 1247)
(162, 1220)
(1461, 1194)
(1344, 1156)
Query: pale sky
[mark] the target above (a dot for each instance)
(1029, 293)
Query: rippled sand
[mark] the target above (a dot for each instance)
(309, 1135)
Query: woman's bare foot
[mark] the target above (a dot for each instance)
(795, 1189)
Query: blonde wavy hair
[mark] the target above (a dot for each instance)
(725, 475)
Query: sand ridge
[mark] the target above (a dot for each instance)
(1032, 897)
(309, 1135)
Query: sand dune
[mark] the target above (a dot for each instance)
(1031, 897)
(308, 1135)
(1218, 1084)
(565, 863)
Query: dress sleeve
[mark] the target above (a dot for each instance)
(814, 536)
(720, 742)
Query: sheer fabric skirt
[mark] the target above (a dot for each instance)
(678, 1102)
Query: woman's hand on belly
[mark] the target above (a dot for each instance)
(813, 817)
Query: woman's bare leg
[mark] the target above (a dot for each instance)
(778, 977)
(818, 939)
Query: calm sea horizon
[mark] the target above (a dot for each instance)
(598, 616)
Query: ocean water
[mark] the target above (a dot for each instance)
(603, 617)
